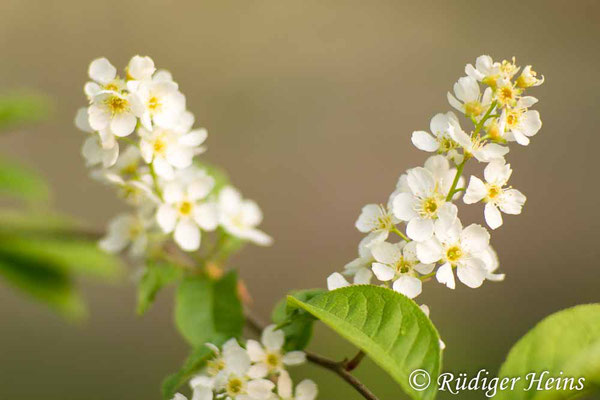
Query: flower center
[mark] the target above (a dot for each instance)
(473, 109)
(453, 254)
(272, 360)
(215, 366)
(446, 144)
(235, 386)
(493, 191)
(117, 105)
(159, 146)
(153, 103)
(403, 266)
(430, 206)
(185, 207)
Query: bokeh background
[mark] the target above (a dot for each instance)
(309, 106)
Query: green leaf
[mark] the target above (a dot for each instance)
(21, 182)
(17, 109)
(387, 326)
(44, 284)
(567, 341)
(69, 255)
(297, 324)
(192, 365)
(156, 276)
(208, 310)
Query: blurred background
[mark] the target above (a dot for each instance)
(309, 106)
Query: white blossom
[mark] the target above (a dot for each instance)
(398, 262)
(126, 230)
(456, 248)
(439, 140)
(494, 193)
(305, 390)
(377, 221)
(268, 356)
(468, 98)
(240, 217)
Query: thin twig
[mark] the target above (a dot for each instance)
(341, 368)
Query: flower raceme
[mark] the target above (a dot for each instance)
(249, 373)
(142, 140)
(418, 235)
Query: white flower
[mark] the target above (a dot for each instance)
(104, 78)
(305, 390)
(456, 247)
(162, 102)
(468, 98)
(439, 140)
(494, 194)
(506, 93)
(483, 152)
(184, 212)
(360, 268)
(377, 221)
(271, 359)
(115, 112)
(95, 153)
(485, 70)
(521, 124)
(425, 198)
(125, 230)
(399, 262)
(528, 78)
(240, 217)
(336, 281)
(166, 148)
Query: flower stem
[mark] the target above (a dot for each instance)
(402, 235)
(459, 170)
(155, 181)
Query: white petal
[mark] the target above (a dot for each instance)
(497, 172)
(429, 251)
(99, 117)
(141, 68)
(166, 217)
(187, 235)
(257, 371)
(306, 390)
(368, 218)
(206, 216)
(424, 269)
(163, 168)
(173, 193)
(476, 191)
(101, 70)
(260, 388)
(408, 285)
(336, 281)
(512, 201)
(272, 338)
(424, 141)
(531, 123)
(445, 275)
(294, 358)
(123, 124)
(492, 216)
(474, 238)
(471, 272)
(386, 253)
(255, 350)
(202, 393)
(419, 229)
(284, 385)
(194, 138)
(403, 206)
(420, 181)
(363, 276)
(383, 272)
(82, 120)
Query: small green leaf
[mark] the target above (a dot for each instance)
(21, 182)
(192, 365)
(568, 342)
(297, 324)
(17, 109)
(47, 285)
(387, 326)
(69, 255)
(208, 310)
(156, 276)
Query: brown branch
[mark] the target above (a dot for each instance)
(341, 368)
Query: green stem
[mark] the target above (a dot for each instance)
(402, 235)
(155, 181)
(487, 116)
(459, 170)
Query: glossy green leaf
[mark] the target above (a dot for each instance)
(21, 182)
(390, 328)
(208, 310)
(296, 323)
(568, 342)
(156, 276)
(192, 365)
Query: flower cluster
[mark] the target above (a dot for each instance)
(256, 372)
(434, 241)
(142, 141)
